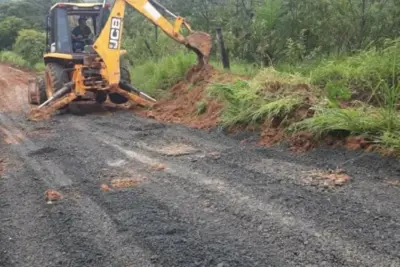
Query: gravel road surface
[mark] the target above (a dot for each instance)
(200, 198)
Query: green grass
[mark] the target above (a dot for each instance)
(366, 82)
(237, 67)
(39, 66)
(364, 76)
(17, 61)
(201, 107)
(357, 121)
(376, 124)
(239, 101)
(13, 59)
(268, 95)
(369, 77)
(390, 140)
(154, 77)
(277, 109)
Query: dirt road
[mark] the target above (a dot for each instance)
(215, 201)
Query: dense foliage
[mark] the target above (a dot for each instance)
(31, 11)
(9, 28)
(30, 44)
(265, 31)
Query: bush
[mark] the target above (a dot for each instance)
(30, 44)
(9, 29)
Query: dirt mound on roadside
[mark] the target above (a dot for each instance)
(189, 103)
(13, 89)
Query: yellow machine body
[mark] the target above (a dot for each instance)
(99, 69)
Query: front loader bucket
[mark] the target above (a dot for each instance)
(201, 44)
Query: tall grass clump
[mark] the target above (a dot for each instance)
(374, 74)
(13, 59)
(363, 76)
(366, 121)
(153, 76)
(270, 94)
(17, 61)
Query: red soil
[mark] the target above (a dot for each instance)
(186, 95)
(13, 89)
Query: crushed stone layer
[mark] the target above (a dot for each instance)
(139, 192)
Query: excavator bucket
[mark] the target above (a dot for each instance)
(201, 44)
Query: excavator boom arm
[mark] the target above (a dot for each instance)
(108, 43)
(147, 8)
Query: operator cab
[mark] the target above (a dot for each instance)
(65, 19)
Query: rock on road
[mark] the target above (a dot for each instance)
(215, 202)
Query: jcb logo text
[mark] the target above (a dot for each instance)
(115, 33)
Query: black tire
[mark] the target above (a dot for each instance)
(56, 76)
(101, 97)
(125, 77)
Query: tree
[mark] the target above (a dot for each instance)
(9, 29)
(33, 12)
(30, 44)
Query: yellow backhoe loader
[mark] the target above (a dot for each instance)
(82, 63)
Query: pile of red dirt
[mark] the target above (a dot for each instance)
(188, 97)
(272, 132)
(13, 89)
